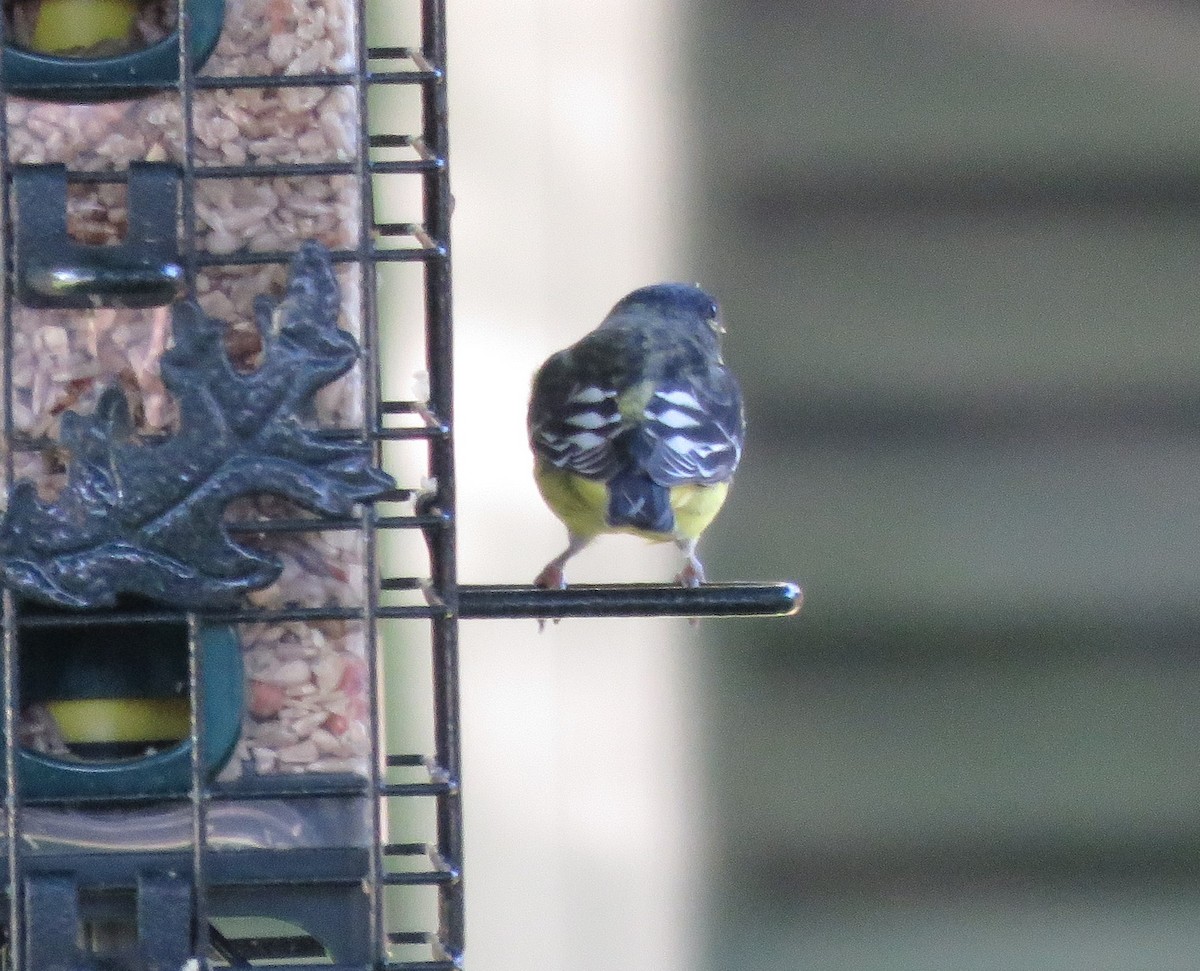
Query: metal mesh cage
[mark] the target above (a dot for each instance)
(380, 884)
(180, 895)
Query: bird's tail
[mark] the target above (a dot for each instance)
(637, 502)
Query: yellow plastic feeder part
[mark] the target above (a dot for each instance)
(63, 26)
(114, 720)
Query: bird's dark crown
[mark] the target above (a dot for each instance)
(668, 299)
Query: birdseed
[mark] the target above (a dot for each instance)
(306, 683)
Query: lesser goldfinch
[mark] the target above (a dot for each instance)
(639, 426)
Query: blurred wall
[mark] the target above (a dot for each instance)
(955, 242)
(957, 247)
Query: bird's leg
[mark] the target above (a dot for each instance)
(552, 576)
(692, 574)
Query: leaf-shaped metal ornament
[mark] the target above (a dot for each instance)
(145, 517)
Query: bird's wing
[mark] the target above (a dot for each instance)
(693, 428)
(574, 415)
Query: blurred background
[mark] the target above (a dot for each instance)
(956, 245)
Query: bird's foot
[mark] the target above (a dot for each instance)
(553, 577)
(692, 574)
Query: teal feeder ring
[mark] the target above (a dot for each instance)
(167, 772)
(83, 79)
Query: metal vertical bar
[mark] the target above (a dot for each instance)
(12, 791)
(372, 419)
(439, 349)
(198, 789)
(11, 673)
(187, 191)
(199, 784)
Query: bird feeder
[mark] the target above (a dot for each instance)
(198, 477)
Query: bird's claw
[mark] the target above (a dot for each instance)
(553, 577)
(692, 575)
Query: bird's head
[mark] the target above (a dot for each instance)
(682, 307)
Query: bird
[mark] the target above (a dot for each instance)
(639, 427)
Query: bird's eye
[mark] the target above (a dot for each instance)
(713, 319)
